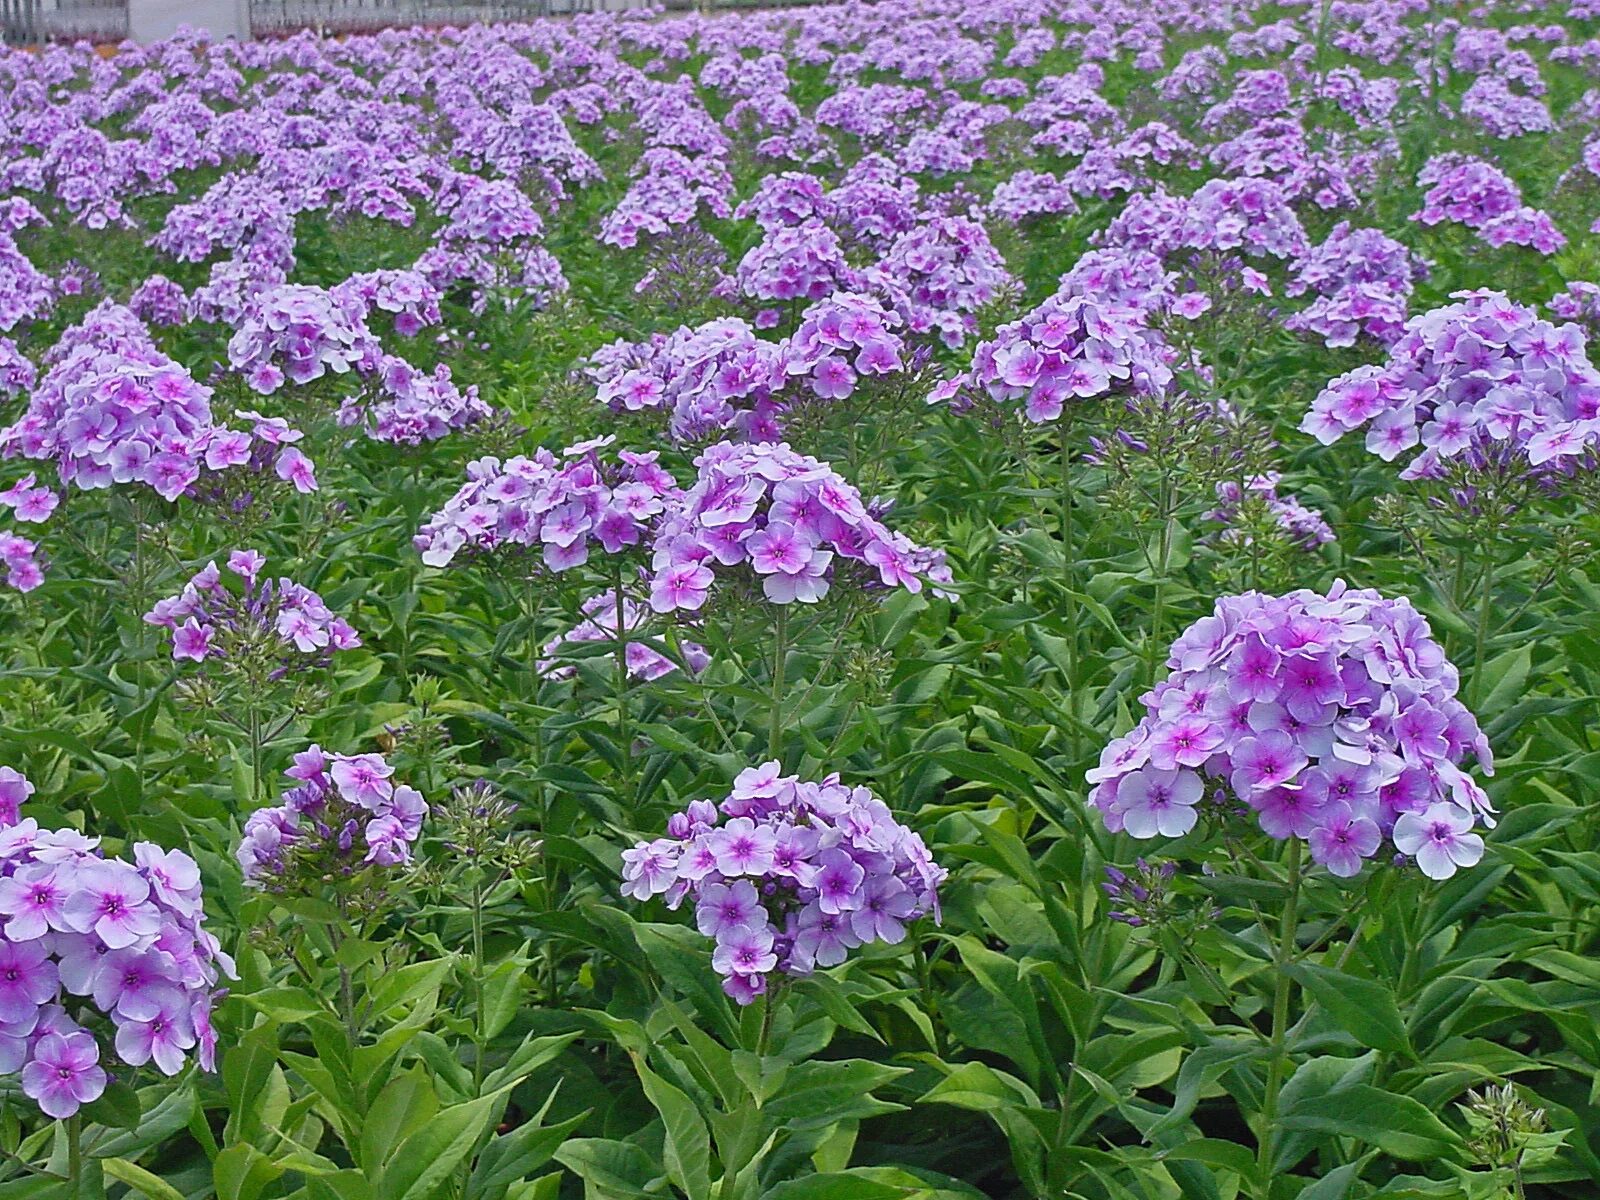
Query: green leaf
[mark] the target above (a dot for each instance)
(687, 1152)
(518, 1154)
(406, 1103)
(838, 1185)
(117, 1107)
(611, 1168)
(1363, 1008)
(426, 1162)
(1397, 1125)
(287, 1004)
(140, 1180)
(242, 1172)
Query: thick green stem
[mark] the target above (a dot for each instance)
(780, 655)
(1283, 956)
(766, 1025)
(257, 776)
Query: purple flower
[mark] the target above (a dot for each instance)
(885, 904)
(1342, 841)
(744, 950)
(838, 880)
(1154, 801)
(724, 906)
(28, 979)
(340, 805)
(34, 901)
(162, 1037)
(798, 874)
(1265, 762)
(822, 939)
(743, 848)
(110, 901)
(1439, 838)
(64, 1073)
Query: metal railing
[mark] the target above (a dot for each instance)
(269, 17)
(29, 22)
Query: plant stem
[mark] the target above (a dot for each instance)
(780, 655)
(1069, 564)
(1158, 611)
(477, 980)
(766, 1024)
(930, 1003)
(624, 734)
(1481, 639)
(1282, 959)
(257, 784)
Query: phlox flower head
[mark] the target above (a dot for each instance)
(788, 519)
(112, 409)
(558, 508)
(787, 875)
(97, 950)
(1069, 350)
(1360, 281)
(405, 406)
(1472, 382)
(342, 814)
(842, 342)
(1332, 719)
(939, 275)
(1301, 527)
(296, 334)
(214, 619)
(705, 381)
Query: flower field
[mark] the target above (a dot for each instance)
(915, 600)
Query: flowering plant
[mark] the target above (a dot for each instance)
(1331, 719)
(787, 875)
(91, 942)
(559, 505)
(785, 515)
(1475, 380)
(285, 621)
(343, 813)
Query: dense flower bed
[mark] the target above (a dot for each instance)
(917, 599)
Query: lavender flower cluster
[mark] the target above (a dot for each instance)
(709, 379)
(95, 942)
(297, 333)
(208, 620)
(1361, 281)
(1070, 348)
(842, 339)
(111, 408)
(1467, 381)
(405, 406)
(343, 814)
(787, 875)
(1332, 719)
(1473, 193)
(786, 516)
(562, 506)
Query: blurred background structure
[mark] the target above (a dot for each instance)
(33, 22)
